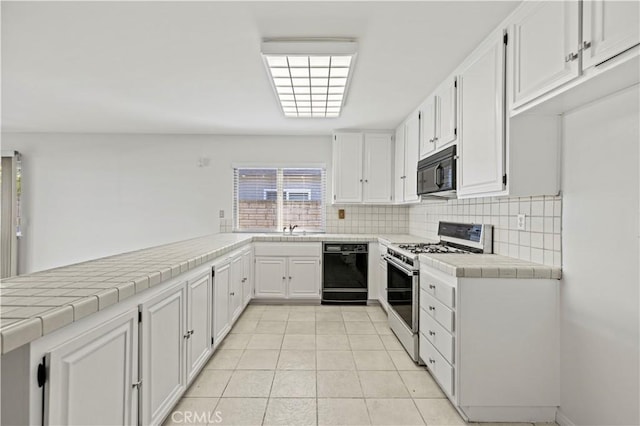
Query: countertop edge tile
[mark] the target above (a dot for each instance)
(21, 333)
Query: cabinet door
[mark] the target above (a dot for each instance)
(377, 168)
(221, 322)
(304, 277)
(199, 302)
(247, 277)
(447, 104)
(91, 377)
(412, 144)
(481, 144)
(398, 170)
(382, 283)
(235, 288)
(347, 167)
(608, 28)
(270, 277)
(428, 137)
(545, 48)
(162, 362)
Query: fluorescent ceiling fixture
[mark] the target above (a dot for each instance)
(310, 76)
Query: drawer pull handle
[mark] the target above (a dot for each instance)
(432, 333)
(432, 361)
(432, 308)
(432, 287)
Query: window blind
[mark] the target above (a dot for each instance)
(269, 199)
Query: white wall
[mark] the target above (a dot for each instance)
(600, 288)
(93, 195)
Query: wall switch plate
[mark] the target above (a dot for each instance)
(221, 214)
(522, 222)
(340, 213)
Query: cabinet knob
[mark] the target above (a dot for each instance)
(284, 278)
(232, 294)
(289, 277)
(366, 181)
(571, 57)
(586, 45)
(137, 384)
(432, 308)
(431, 286)
(432, 333)
(432, 361)
(360, 180)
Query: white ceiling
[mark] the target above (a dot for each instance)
(195, 67)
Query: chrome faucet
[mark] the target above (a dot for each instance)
(291, 228)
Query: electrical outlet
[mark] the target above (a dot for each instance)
(221, 214)
(522, 222)
(340, 213)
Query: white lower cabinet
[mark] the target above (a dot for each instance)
(175, 335)
(492, 344)
(304, 277)
(221, 280)
(91, 377)
(247, 276)
(287, 270)
(199, 309)
(232, 291)
(235, 288)
(271, 276)
(162, 353)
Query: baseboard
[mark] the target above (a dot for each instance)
(562, 419)
(276, 301)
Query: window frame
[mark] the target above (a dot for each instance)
(286, 194)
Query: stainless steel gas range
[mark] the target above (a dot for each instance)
(403, 272)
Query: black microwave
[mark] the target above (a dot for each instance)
(437, 173)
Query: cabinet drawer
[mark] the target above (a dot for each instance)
(288, 249)
(437, 310)
(441, 291)
(437, 335)
(441, 370)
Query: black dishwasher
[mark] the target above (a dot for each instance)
(344, 273)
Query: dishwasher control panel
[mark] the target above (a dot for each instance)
(346, 247)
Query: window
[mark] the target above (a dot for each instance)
(268, 199)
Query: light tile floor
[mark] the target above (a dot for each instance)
(313, 365)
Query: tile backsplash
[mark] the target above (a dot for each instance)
(368, 219)
(358, 219)
(540, 242)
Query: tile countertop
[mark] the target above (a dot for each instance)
(39, 303)
(488, 266)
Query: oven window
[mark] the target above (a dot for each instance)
(400, 293)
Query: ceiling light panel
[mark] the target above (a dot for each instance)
(310, 77)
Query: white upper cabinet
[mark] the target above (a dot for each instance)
(608, 28)
(438, 118)
(428, 120)
(362, 168)
(447, 113)
(545, 48)
(407, 151)
(411, 154)
(481, 146)
(347, 167)
(377, 168)
(398, 170)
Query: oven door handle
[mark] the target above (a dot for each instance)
(401, 267)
